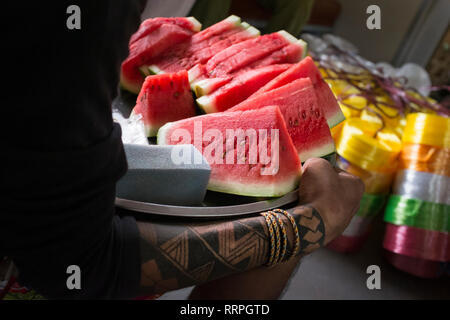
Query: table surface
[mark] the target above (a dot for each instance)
(326, 274)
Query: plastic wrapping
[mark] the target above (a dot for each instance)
(133, 130)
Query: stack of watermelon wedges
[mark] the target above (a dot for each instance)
(257, 91)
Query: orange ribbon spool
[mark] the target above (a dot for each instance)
(425, 158)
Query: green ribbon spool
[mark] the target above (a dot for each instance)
(371, 205)
(417, 213)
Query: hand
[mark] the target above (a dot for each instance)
(334, 193)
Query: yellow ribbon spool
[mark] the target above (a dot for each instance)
(360, 144)
(336, 131)
(429, 129)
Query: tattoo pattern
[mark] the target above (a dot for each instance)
(180, 255)
(311, 228)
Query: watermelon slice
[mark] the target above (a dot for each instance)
(209, 85)
(237, 166)
(291, 53)
(149, 25)
(164, 98)
(187, 55)
(275, 48)
(304, 118)
(147, 48)
(238, 89)
(241, 54)
(204, 45)
(325, 97)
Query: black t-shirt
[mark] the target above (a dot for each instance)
(61, 154)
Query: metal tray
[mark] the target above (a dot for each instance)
(214, 206)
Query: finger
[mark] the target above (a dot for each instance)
(317, 166)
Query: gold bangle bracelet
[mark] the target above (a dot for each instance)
(295, 229)
(284, 236)
(277, 237)
(271, 238)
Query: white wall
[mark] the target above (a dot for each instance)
(376, 45)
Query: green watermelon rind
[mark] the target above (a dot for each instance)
(257, 189)
(304, 45)
(125, 85)
(202, 87)
(144, 71)
(149, 130)
(162, 133)
(206, 103)
(154, 69)
(335, 119)
(196, 25)
(317, 152)
(331, 158)
(252, 190)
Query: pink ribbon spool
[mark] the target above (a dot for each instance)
(417, 243)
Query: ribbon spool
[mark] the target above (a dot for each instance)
(417, 243)
(417, 213)
(427, 129)
(362, 144)
(374, 182)
(410, 183)
(417, 237)
(345, 244)
(371, 155)
(425, 158)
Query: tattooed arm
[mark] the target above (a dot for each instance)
(180, 255)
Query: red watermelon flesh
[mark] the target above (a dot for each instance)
(149, 25)
(190, 53)
(325, 97)
(291, 53)
(240, 88)
(236, 165)
(304, 118)
(145, 49)
(217, 29)
(164, 98)
(180, 57)
(244, 53)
